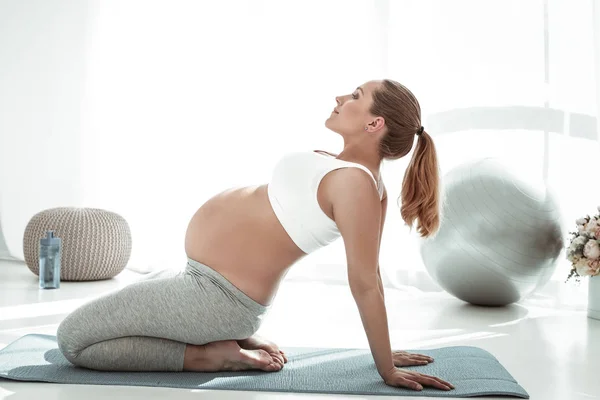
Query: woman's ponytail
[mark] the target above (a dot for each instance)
(420, 188)
(421, 184)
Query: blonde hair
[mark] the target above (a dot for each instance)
(421, 184)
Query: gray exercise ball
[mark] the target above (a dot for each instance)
(500, 235)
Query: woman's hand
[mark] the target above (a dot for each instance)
(405, 359)
(413, 380)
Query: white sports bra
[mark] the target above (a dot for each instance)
(292, 192)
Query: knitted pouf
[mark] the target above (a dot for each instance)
(96, 244)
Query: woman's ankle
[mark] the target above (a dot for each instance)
(195, 358)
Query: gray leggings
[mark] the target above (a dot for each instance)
(145, 326)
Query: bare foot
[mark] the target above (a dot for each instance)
(227, 355)
(256, 342)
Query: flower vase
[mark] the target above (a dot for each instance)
(594, 297)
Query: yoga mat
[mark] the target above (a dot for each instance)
(473, 371)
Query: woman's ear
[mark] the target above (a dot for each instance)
(376, 125)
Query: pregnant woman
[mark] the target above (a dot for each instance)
(241, 243)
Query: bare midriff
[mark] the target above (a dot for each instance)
(237, 234)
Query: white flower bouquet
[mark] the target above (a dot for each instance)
(584, 248)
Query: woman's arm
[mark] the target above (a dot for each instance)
(382, 221)
(357, 213)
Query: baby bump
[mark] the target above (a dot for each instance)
(238, 234)
(240, 219)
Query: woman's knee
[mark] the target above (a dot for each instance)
(66, 337)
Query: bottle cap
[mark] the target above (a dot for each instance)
(50, 239)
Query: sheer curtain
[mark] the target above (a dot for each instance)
(184, 99)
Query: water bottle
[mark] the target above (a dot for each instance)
(50, 251)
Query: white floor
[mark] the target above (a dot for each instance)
(550, 347)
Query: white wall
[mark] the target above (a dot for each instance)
(41, 88)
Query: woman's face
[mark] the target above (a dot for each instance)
(351, 115)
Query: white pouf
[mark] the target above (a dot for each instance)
(500, 235)
(96, 244)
